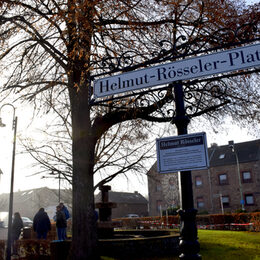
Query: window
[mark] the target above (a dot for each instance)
(159, 205)
(198, 181)
(246, 176)
(200, 202)
(221, 156)
(223, 179)
(249, 199)
(158, 187)
(225, 201)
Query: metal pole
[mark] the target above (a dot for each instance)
(232, 146)
(9, 236)
(210, 184)
(239, 182)
(189, 245)
(221, 203)
(59, 187)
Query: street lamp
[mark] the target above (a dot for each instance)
(232, 147)
(10, 213)
(52, 173)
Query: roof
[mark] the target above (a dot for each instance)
(223, 155)
(43, 195)
(124, 197)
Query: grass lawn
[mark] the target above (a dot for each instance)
(229, 245)
(223, 245)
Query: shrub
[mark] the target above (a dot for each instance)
(217, 219)
(234, 221)
(171, 211)
(242, 218)
(255, 219)
(30, 248)
(2, 249)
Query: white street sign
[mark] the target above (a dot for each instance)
(200, 66)
(182, 153)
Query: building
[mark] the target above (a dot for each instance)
(126, 203)
(28, 202)
(231, 183)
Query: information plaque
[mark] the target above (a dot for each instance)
(182, 153)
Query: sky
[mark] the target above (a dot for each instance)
(24, 178)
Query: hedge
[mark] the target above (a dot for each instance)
(235, 221)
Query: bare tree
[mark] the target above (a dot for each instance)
(54, 46)
(126, 147)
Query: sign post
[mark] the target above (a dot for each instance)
(197, 67)
(189, 245)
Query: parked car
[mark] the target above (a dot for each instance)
(131, 216)
(27, 222)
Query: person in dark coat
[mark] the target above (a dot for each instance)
(67, 214)
(65, 210)
(61, 223)
(17, 226)
(41, 224)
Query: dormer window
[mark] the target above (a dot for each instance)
(222, 156)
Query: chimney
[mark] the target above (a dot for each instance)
(231, 143)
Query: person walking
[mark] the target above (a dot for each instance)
(41, 224)
(61, 223)
(17, 226)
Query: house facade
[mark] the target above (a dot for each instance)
(126, 203)
(28, 202)
(231, 183)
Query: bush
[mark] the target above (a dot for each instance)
(242, 218)
(33, 248)
(234, 221)
(255, 219)
(171, 212)
(2, 249)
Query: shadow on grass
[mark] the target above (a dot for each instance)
(145, 258)
(211, 251)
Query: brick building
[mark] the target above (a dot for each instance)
(126, 203)
(232, 179)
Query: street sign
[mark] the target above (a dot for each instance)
(182, 153)
(200, 66)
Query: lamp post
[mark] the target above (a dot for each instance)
(59, 187)
(232, 147)
(221, 203)
(10, 213)
(59, 178)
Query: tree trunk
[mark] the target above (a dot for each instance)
(84, 229)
